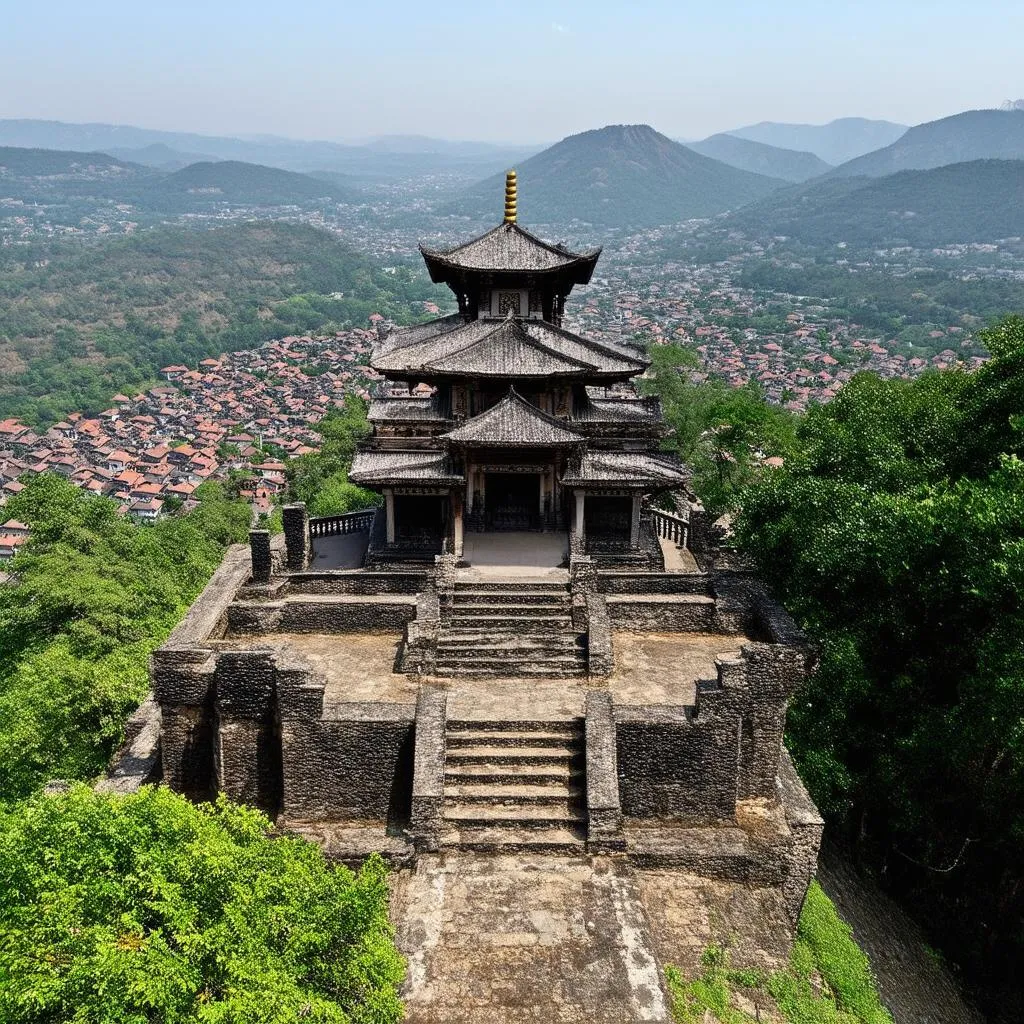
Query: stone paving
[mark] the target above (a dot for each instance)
(509, 939)
(515, 554)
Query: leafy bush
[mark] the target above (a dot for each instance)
(123, 910)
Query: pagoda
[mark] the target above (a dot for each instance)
(497, 418)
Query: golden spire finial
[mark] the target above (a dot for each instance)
(510, 197)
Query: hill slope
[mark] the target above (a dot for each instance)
(759, 158)
(972, 135)
(17, 162)
(965, 202)
(238, 182)
(619, 176)
(835, 142)
(79, 322)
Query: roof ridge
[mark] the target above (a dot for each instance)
(616, 350)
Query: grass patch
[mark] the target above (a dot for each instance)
(828, 980)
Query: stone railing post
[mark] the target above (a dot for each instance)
(259, 549)
(296, 536)
(604, 810)
(428, 768)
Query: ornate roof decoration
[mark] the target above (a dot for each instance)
(380, 468)
(508, 248)
(625, 469)
(504, 348)
(511, 197)
(513, 423)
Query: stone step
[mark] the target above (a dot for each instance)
(514, 609)
(518, 585)
(564, 841)
(489, 754)
(530, 816)
(538, 621)
(510, 653)
(511, 793)
(507, 738)
(504, 597)
(469, 632)
(518, 774)
(573, 726)
(508, 658)
(518, 672)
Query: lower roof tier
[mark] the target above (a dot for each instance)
(646, 471)
(509, 348)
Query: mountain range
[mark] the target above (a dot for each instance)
(961, 202)
(835, 142)
(760, 158)
(617, 176)
(384, 158)
(972, 135)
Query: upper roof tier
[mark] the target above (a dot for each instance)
(508, 249)
(509, 348)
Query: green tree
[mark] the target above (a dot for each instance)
(119, 910)
(895, 534)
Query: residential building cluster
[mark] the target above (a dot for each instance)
(235, 417)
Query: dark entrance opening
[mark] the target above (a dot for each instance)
(512, 501)
(420, 521)
(607, 521)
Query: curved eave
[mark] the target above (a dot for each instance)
(444, 269)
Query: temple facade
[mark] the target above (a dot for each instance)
(497, 418)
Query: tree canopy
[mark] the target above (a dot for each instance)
(124, 910)
(92, 595)
(895, 534)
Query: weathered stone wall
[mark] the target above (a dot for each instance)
(682, 613)
(677, 764)
(308, 615)
(806, 828)
(600, 659)
(354, 764)
(617, 582)
(358, 581)
(298, 542)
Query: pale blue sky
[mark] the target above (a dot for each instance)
(521, 70)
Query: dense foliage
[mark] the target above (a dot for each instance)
(321, 479)
(92, 595)
(723, 433)
(121, 910)
(68, 341)
(895, 533)
(824, 949)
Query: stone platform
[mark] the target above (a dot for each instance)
(579, 940)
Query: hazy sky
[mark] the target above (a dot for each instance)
(518, 70)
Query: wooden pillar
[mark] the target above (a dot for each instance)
(578, 521)
(469, 487)
(634, 523)
(389, 512)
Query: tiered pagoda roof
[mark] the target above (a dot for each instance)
(625, 469)
(407, 410)
(508, 248)
(513, 423)
(379, 468)
(510, 347)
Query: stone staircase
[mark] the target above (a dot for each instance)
(510, 628)
(515, 786)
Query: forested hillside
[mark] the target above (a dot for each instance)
(895, 534)
(964, 202)
(81, 321)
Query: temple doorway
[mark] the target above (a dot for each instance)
(513, 501)
(421, 521)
